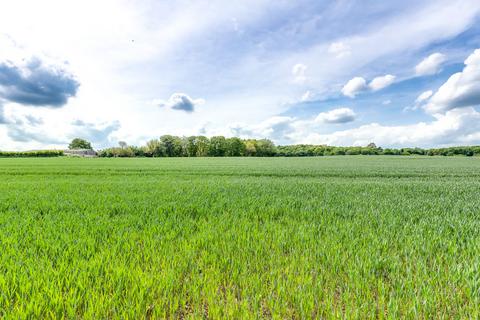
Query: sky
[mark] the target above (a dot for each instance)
(344, 72)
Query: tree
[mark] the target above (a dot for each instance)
(189, 145)
(155, 148)
(203, 144)
(122, 144)
(79, 143)
(173, 145)
(265, 148)
(235, 147)
(218, 146)
(250, 148)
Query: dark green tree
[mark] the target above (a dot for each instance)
(235, 147)
(172, 144)
(79, 143)
(265, 148)
(189, 146)
(218, 146)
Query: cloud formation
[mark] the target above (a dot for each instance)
(381, 82)
(461, 90)
(358, 84)
(430, 65)
(354, 86)
(36, 83)
(250, 47)
(458, 126)
(180, 101)
(340, 115)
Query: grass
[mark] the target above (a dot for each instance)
(328, 237)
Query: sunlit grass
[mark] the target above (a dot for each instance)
(333, 237)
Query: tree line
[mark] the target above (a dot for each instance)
(219, 146)
(195, 146)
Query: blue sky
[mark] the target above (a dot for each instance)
(397, 73)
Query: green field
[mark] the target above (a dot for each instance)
(328, 237)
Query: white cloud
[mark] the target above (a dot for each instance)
(386, 102)
(354, 86)
(358, 84)
(424, 96)
(455, 127)
(430, 65)
(381, 82)
(340, 115)
(461, 90)
(339, 49)
(298, 72)
(135, 56)
(180, 101)
(459, 126)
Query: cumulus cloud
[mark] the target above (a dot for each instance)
(36, 83)
(339, 115)
(339, 49)
(459, 126)
(381, 82)
(461, 90)
(430, 65)
(354, 86)
(180, 101)
(298, 72)
(455, 127)
(358, 84)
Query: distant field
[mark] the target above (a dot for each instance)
(328, 237)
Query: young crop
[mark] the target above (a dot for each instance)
(239, 238)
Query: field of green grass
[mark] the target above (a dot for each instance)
(239, 238)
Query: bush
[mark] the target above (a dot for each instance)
(31, 154)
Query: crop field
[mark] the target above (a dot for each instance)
(240, 238)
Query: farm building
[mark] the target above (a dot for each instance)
(80, 153)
